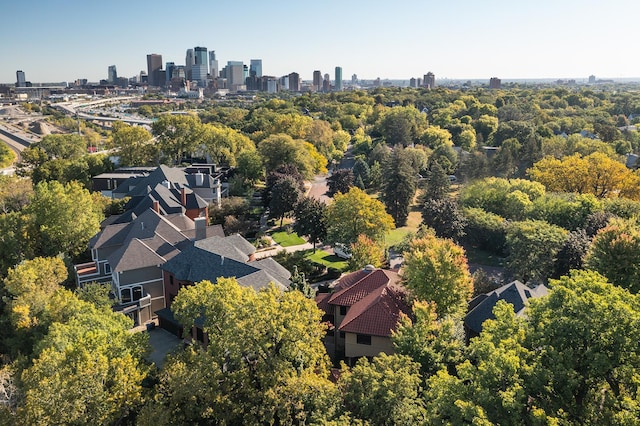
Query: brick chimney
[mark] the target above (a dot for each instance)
(156, 206)
(183, 197)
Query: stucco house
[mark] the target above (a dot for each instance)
(363, 310)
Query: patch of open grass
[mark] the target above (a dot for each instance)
(396, 235)
(286, 239)
(327, 259)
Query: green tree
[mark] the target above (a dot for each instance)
(356, 213)
(310, 220)
(281, 149)
(585, 335)
(385, 391)
(399, 186)
(444, 217)
(432, 342)
(177, 136)
(63, 217)
(437, 184)
(285, 195)
(134, 145)
(249, 166)
(339, 182)
(402, 125)
(223, 144)
(361, 170)
(259, 344)
(615, 253)
(532, 248)
(436, 270)
(88, 369)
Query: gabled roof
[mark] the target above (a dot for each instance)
(216, 257)
(366, 284)
(161, 174)
(515, 293)
(233, 247)
(378, 313)
(137, 254)
(195, 264)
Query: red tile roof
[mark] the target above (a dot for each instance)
(322, 300)
(362, 285)
(378, 313)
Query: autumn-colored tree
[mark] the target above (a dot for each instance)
(356, 213)
(366, 251)
(595, 174)
(436, 271)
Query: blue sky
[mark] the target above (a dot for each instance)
(55, 40)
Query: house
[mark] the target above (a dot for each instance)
(210, 259)
(105, 183)
(205, 180)
(362, 312)
(129, 256)
(480, 308)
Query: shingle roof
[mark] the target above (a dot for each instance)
(378, 313)
(261, 279)
(136, 254)
(515, 293)
(233, 247)
(367, 283)
(195, 264)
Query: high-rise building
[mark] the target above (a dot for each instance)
(326, 83)
(294, 82)
(201, 57)
(354, 79)
(234, 73)
(255, 68)
(112, 74)
(189, 61)
(213, 65)
(317, 80)
(429, 80)
(21, 80)
(169, 67)
(154, 65)
(412, 82)
(338, 78)
(495, 83)
(592, 79)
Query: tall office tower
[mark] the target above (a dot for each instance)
(412, 82)
(326, 83)
(189, 61)
(112, 74)
(592, 79)
(245, 72)
(154, 65)
(354, 79)
(294, 82)
(21, 80)
(213, 65)
(272, 85)
(169, 67)
(429, 80)
(255, 67)
(234, 74)
(201, 58)
(317, 80)
(495, 83)
(338, 83)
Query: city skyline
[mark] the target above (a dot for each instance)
(56, 41)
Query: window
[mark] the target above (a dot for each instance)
(343, 310)
(363, 339)
(171, 279)
(107, 268)
(137, 293)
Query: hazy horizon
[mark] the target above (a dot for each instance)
(61, 41)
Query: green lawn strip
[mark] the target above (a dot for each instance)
(327, 259)
(286, 239)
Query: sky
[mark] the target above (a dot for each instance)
(64, 40)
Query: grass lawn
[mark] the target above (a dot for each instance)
(413, 222)
(286, 239)
(327, 259)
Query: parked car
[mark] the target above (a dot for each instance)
(342, 251)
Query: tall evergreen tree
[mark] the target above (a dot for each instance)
(399, 186)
